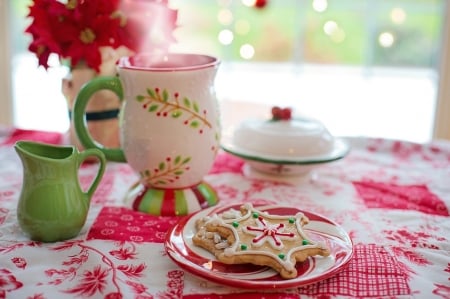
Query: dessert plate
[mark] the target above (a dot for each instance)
(340, 150)
(202, 263)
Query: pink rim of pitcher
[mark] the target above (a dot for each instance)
(168, 62)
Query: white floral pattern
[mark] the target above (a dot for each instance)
(392, 197)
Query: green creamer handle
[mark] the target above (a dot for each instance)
(79, 114)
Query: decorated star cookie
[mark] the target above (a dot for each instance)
(257, 237)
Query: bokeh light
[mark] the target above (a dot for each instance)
(247, 51)
(225, 17)
(320, 5)
(226, 37)
(398, 15)
(329, 27)
(336, 33)
(386, 39)
(242, 27)
(249, 3)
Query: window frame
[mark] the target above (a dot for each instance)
(442, 114)
(6, 100)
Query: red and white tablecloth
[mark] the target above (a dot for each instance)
(392, 197)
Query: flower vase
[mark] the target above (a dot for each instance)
(101, 112)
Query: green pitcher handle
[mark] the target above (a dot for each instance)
(79, 115)
(101, 168)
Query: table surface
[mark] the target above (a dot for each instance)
(392, 198)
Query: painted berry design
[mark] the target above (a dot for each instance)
(163, 104)
(167, 171)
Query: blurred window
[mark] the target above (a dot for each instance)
(298, 47)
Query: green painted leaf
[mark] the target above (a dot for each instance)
(179, 172)
(140, 98)
(161, 182)
(165, 95)
(177, 160)
(187, 103)
(195, 107)
(186, 160)
(162, 166)
(153, 107)
(194, 124)
(151, 93)
(177, 113)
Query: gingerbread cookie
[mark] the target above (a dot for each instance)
(257, 237)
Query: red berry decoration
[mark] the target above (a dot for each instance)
(286, 113)
(281, 113)
(276, 112)
(260, 3)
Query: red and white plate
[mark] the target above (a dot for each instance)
(202, 263)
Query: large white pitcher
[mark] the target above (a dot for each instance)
(169, 127)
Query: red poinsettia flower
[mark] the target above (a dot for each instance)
(77, 30)
(149, 30)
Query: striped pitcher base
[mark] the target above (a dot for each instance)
(171, 202)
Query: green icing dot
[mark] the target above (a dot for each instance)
(305, 242)
(255, 215)
(281, 256)
(235, 224)
(243, 247)
(291, 220)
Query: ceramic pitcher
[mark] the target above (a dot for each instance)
(169, 129)
(52, 206)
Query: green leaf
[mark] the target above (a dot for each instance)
(187, 103)
(151, 93)
(186, 160)
(153, 107)
(196, 109)
(194, 124)
(161, 182)
(165, 95)
(177, 113)
(179, 172)
(140, 98)
(162, 166)
(177, 160)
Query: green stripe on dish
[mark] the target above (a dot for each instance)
(152, 201)
(181, 207)
(208, 193)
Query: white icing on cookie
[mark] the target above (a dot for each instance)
(266, 231)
